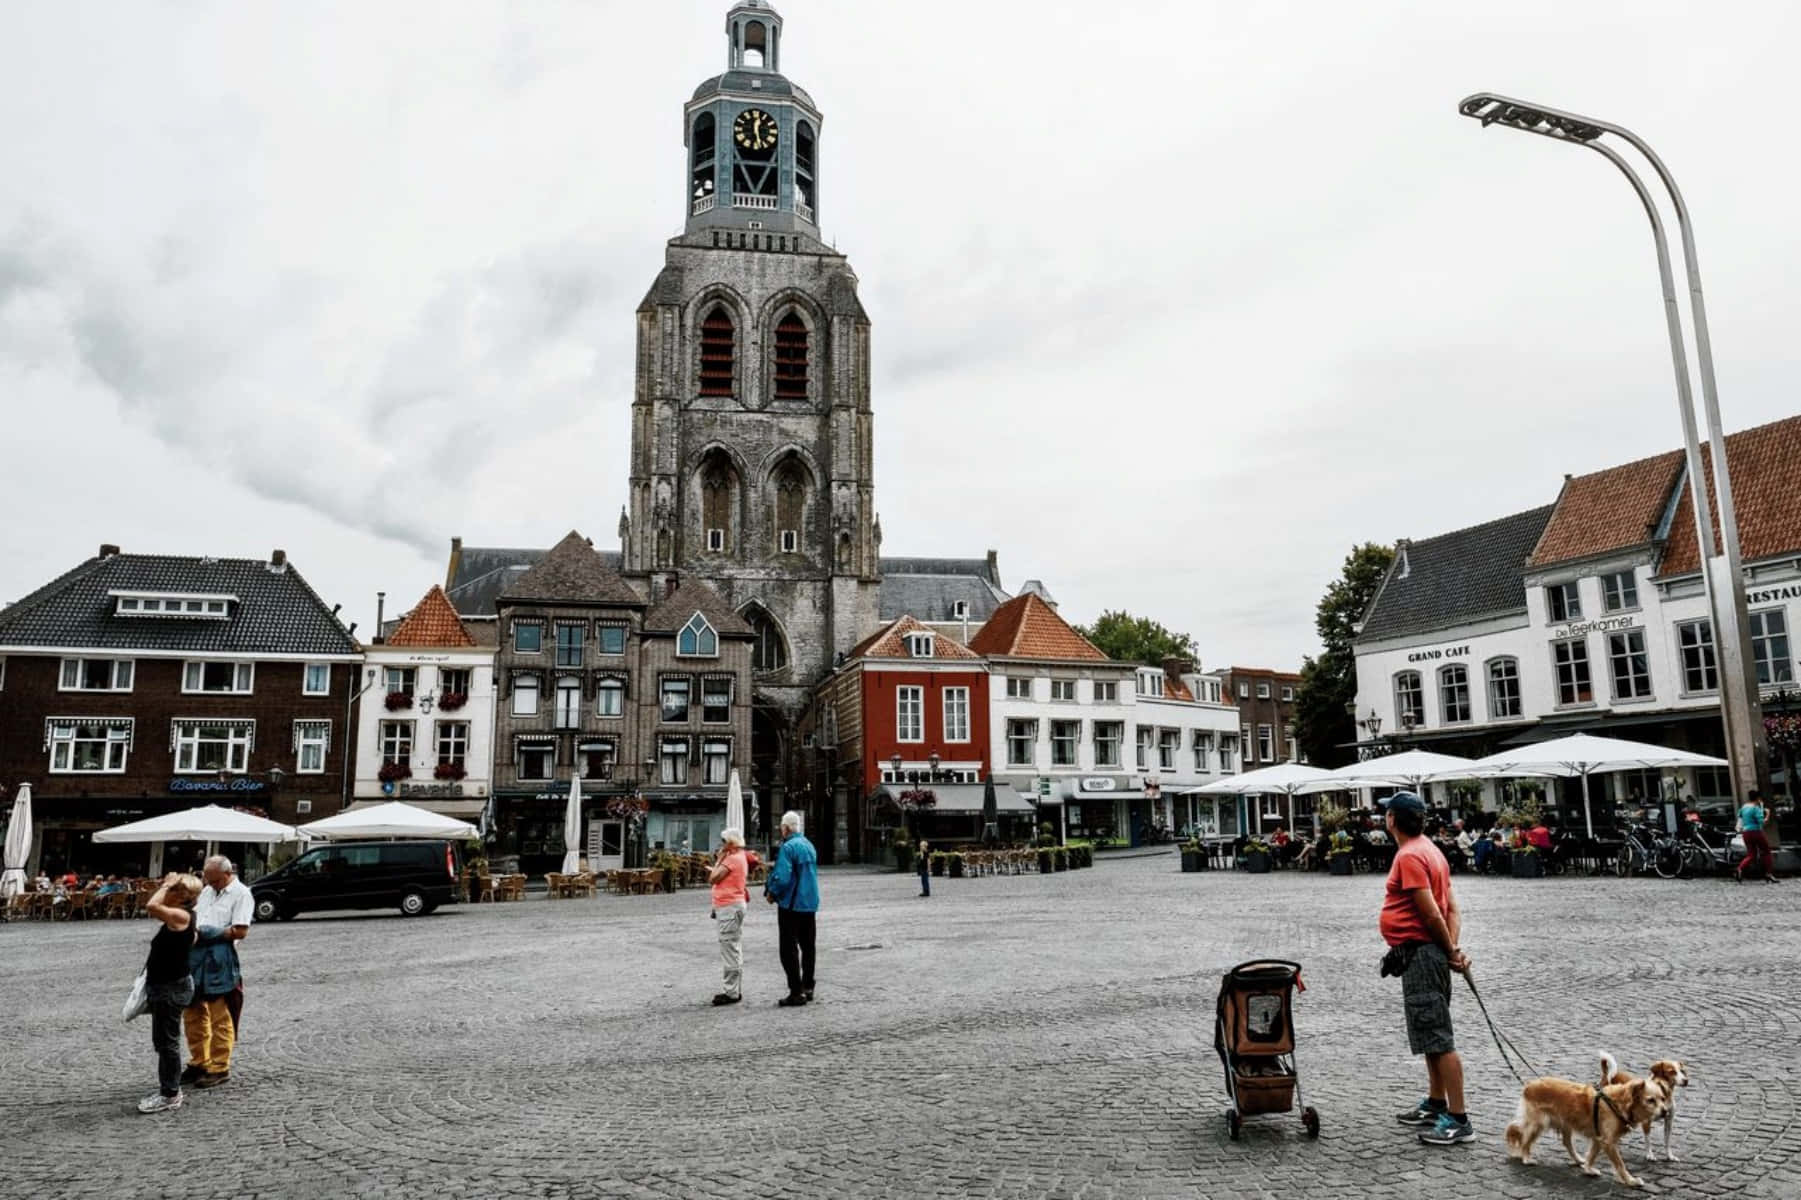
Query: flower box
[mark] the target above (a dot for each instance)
(1257, 862)
(399, 700)
(451, 701)
(1192, 861)
(450, 771)
(392, 772)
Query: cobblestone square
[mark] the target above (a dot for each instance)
(1010, 1037)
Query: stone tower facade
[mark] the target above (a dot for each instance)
(752, 435)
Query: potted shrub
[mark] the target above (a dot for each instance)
(903, 853)
(393, 772)
(1044, 860)
(399, 700)
(1338, 858)
(1192, 857)
(1086, 855)
(1526, 863)
(938, 857)
(1060, 859)
(450, 771)
(956, 864)
(451, 701)
(1257, 857)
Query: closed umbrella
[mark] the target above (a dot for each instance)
(734, 804)
(18, 844)
(572, 828)
(990, 813)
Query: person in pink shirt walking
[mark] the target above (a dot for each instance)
(730, 878)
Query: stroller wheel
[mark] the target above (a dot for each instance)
(1234, 1123)
(1310, 1119)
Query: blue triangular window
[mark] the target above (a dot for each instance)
(697, 639)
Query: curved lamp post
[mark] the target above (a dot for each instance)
(1722, 573)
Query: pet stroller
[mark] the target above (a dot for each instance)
(1254, 1034)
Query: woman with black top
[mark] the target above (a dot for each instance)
(168, 984)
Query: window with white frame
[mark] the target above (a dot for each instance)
(716, 700)
(1266, 743)
(919, 645)
(1410, 700)
(88, 745)
(956, 714)
(1169, 744)
(1503, 688)
(1619, 591)
(609, 698)
(1563, 601)
(697, 639)
(715, 760)
(569, 702)
(163, 604)
(528, 637)
(1203, 748)
(1454, 693)
(1569, 661)
(611, 639)
(312, 740)
(453, 743)
(1249, 743)
(1272, 808)
(675, 698)
(315, 679)
(1288, 694)
(1107, 736)
(674, 760)
(1770, 648)
(453, 681)
(1022, 743)
(401, 680)
(525, 696)
(1065, 736)
(1147, 738)
(1629, 665)
(223, 677)
(203, 746)
(1019, 688)
(1263, 691)
(1106, 691)
(536, 760)
(396, 741)
(909, 714)
(95, 675)
(1228, 752)
(1063, 689)
(1700, 672)
(1244, 691)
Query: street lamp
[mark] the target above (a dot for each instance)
(1722, 574)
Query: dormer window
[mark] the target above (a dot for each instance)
(959, 610)
(697, 639)
(919, 645)
(164, 604)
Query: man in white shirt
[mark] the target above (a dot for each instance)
(222, 914)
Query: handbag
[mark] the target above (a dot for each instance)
(138, 1002)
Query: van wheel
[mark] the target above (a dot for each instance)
(269, 909)
(412, 904)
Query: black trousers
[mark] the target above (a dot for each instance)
(796, 932)
(166, 1002)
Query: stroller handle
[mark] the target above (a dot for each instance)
(1263, 964)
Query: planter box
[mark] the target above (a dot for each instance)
(1257, 863)
(957, 867)
(1192, 860)
(1044, 862)
(938, 867)
(903, 860)
(1528, 866)
(1339, 864)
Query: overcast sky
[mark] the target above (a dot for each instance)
(1173, 302)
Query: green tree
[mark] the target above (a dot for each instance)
(1126, 638)
(1323, 722)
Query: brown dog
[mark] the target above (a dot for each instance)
(1603, 1115)
(1672, 1073)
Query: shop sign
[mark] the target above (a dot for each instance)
(1600, 625)
(1441, 652)
(237, 783)
(431, 789)
(1099, 783)
(1768, 594)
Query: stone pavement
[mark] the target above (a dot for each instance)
(1012, 1037)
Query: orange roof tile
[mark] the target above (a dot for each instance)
(1766, 493)
(888, 642)
(433, 622)
(1027, 627)
(1175, 689)
(1608, 510)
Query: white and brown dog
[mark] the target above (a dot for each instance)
(1604, 1115)
(1672, 1073)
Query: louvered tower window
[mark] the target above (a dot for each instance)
(716, 354)
(791, 358)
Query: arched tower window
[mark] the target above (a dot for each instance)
(791, 486)
(756, 44)
(769, 652)
(701, 153)
(791, 358)
(717, 346)
(806, 169)
(718, 503)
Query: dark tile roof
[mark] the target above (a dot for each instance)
(1766, 493)
(768, 83)
(689, 597)
(482, 573)
(1456, 577)
(277, 611)
(1610, 510)
(929, 588)
(572, 572)
(1027, 627)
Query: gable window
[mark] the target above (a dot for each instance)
(528, 637)
(1503, 688)
(1630, 665)
(959, 609)
(675, 699)
(1410, 700)
(234, 678)
(401, 680)
(717, 347)
(956, 714)
(919, 645)
(1769, 647)
(312, 739)
(315, 679)
(569, 645)
(611, 638)
(96, 675)
(609, 698)
(1169, 743)
(909, 714)
(715, 760)
(1570, 659)
(1454, 693)
(674, 760)
(1700, 672)
(1146, 739)
(1563, 601)
(569, 702)
(1106, 691)
(88, 745)
(791, 358)
(716, 701)
(1022, 743)
(206, 746)
(1266, 744)
(1619, 591)
(525, 696)
(537, 760)
(1064, 736)
(1107, 736)
(1019, 688)
(453, 743)
(697, 639)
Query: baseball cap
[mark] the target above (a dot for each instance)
(1401, 800)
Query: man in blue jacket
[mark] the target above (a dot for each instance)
(794, 884)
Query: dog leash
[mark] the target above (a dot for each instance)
(1502, 1042)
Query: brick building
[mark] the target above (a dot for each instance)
(141, 684)
(1265, 701)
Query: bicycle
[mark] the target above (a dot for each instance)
(1646, 850)
(1700, 856)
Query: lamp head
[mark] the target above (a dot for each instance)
(1489, 108)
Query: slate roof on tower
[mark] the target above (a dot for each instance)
(929, 588)
(1455, 577)
(691, 596)
(1766, 493)
(572, 572)
(1027, 627)
(890, 642)
(433, 622)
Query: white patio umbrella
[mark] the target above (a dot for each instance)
(1283, 779)
(734, 804)
(390, 820)
(209, 823)
(1583, 754)
(572, 828)
(18, 844)
(1410, 768)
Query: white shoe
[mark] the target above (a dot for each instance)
(159, 1103)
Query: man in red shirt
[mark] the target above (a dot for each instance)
(1421, 924)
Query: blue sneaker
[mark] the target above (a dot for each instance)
(1449, 1131)
(1423, 1114)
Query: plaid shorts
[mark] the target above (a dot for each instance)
(1426, 990)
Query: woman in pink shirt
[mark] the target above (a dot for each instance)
(730, 878)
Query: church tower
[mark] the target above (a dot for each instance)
(752, 462)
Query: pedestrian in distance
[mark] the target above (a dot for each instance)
(730, 878)
(1421, 924)
(222, 916)
(924, 867)
(793, 884)
(1751, 821)
(168, 987)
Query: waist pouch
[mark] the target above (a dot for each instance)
(1399, 958)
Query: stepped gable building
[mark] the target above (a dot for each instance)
(752, 434)
(141, 684)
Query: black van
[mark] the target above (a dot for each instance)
(415, 877)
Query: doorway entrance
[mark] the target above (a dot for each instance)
(606, 845)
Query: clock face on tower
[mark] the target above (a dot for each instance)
(754, 130)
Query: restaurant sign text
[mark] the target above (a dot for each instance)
(1441, 652)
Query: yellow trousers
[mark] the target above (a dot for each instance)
(210, 1034)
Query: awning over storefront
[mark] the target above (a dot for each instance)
(961, 797)
(1600, 723)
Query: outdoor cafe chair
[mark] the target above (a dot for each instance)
(556, 885)
(583, 885)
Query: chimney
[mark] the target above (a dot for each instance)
(107, 549)
(381, 599)
(1175, 668)
(994, 567)
(1403, 568)
(456, 563)
(278, 561)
